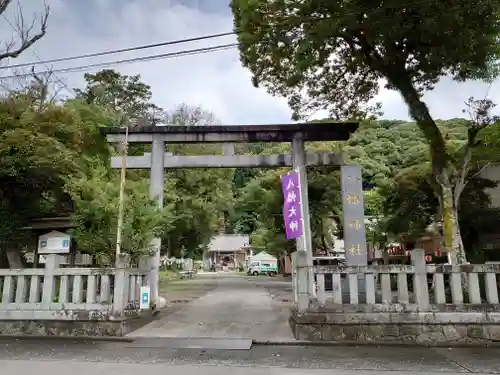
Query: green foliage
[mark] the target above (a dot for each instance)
(373, 202)
(95, 219)
(39, 148)
(332, 54)
(260, 206)
(127, 96)
(261, 199)
(199, 197)
(410, 205)
(385, 147)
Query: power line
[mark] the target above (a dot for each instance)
(169, 55)
(112, 52)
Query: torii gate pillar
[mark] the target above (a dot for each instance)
(304, 242)
(156, 187)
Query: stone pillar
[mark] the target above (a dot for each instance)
(294, 277)
(304, 243)
(420, 285)
(120, 290)
(52, 262)
(145, 265)
(353, 215)
(156, 193)
(302, 281)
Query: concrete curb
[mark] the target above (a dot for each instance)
(67, 338)
(259, 342)
(373, 343)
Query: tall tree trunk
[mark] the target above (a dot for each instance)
(451, 226)
(440, 160)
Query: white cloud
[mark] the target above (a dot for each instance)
(446, 101)
(215, 81)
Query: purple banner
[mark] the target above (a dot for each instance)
(292, 214)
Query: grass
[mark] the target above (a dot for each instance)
(176, 291)
(167, 276)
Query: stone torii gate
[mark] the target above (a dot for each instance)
(296, 134)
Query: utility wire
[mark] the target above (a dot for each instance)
(112, 52)
(169, 55)
(40, 61)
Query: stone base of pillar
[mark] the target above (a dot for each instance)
(162, 302)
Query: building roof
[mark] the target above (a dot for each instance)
(46, 223)
(228, 242)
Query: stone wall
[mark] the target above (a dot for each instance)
(423, 328)
(117, 327)
(62, 328)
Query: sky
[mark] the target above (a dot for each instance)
(216, 81)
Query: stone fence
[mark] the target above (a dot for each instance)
(31, 300)
(419, 303)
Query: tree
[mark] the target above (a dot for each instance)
(197, 196)
(39, 148)
(260, 206)
(200, 197)
(262, 199)
(466, 164)
(409, 206)
(185, 115)
(126, 95)
(95, 216)
(42, 89)
(333, 54)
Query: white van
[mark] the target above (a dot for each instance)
(263, 267)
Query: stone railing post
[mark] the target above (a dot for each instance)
(120, 291)
(420, 285)
(302, 281)
(146, 265)
(49, 282)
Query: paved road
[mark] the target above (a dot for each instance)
(62, 368)
(152, 356)
(239, 307)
